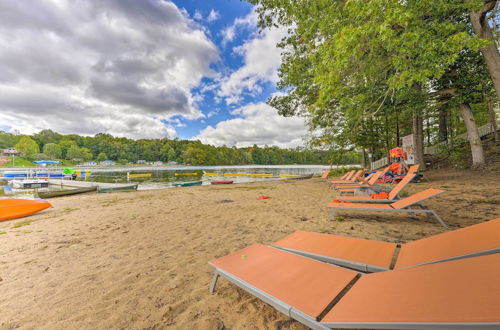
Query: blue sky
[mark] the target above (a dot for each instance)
(189, 69)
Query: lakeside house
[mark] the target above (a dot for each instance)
(157, 163)
(107, 163)
(141, 161)
(11, 152)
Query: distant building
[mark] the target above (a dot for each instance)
(141, 161)
(11, 152)
(172, 163)
(108, 163)
(89, 164)
(157, 163)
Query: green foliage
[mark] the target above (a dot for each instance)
(52, 150)
(102, 157)
(359, 70)
(28, 147)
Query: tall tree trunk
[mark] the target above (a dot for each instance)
(418, 139)
(493, 120)
(476, 145)
(490, 53)
(443, 124)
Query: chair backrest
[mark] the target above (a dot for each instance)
(367, 178)
(483, 238)
(375, 177)
(325, 174)
(416, 198)
(413, 169)
(400, 186)
(348, 176)
(357, 175)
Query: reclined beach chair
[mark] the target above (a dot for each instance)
(357, 175)
(392, 196)
(326, 173)
(374, 256)
(365, 182)
(461, 293)
(346, 177)
(402, 205)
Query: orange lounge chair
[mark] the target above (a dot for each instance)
(374, 256)
(402, 205)
(392, 197)
(461, 293)
(365, 182)
(346, 177)
(325, 174)
(352, 180)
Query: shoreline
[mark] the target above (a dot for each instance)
(140, 259)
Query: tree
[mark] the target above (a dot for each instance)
(344, 63)
(74, 152)
(102, 157)
(491, 54)
(52, 150)
(28, 147)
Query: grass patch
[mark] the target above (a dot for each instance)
(3, 232)
(39, 231)
(25, 232)
(70, 209)
(110, 202)
(61, 219)
(339, 219)
(21, 224)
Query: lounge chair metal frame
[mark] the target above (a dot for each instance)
(407, 209)
(268, 299)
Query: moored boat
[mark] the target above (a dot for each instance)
(187, 173)
(117, 188)
(29, 184)
(59, 193)
(139, 175)
(235, 174)
(222, 182)
(187, 184)
(288, 175)
(13, 208)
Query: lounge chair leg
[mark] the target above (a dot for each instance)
(438, 218)
(332, 216)
(214, 282)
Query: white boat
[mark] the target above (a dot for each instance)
(29, 184)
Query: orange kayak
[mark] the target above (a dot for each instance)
(12, 208)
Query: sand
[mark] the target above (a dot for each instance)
(138, 260)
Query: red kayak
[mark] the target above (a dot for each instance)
(222, 182)
(13, 208)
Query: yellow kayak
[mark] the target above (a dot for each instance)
(210, 174)
(261, 175)
(140, 175)
(288, 175)
(187, 173)
(235, 174)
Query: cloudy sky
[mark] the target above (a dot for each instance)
(142, 69)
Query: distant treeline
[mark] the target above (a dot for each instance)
(102, 147)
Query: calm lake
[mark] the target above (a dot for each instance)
(161, 177)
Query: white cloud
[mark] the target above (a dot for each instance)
(261, 60)
(240, 23)
(197, 15)
(213, 16)
(119, 66)
(258, 123)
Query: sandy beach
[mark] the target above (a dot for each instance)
(138, 260)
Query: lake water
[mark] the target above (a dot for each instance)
(164, 176)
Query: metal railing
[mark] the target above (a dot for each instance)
(432, 150)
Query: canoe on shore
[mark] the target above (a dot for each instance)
(13, 208)
(187, 173)
(235, 174)
(59, 193)
(187, 184)
(288, 175)
(261, 175)
(222, 182)
(210, 174)
(117, 188)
